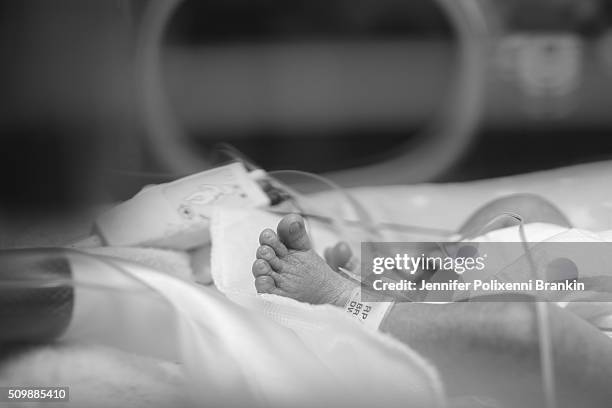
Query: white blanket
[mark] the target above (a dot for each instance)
(118, 379)
(227, 355)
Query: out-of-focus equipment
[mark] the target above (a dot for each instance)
(177, 214)
(350, 86)
(440, 145)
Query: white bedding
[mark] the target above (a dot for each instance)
(581, 192)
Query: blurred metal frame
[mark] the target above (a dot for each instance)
(440, 145)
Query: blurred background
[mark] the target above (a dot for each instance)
(103, 96)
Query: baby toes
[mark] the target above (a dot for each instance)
(268, 237)
(293, 234)
(338, 256)
(265, 284)
(266, 253)
(261, 268)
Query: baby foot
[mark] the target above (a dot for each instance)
(286, 265)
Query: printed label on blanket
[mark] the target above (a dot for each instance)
(177, 215)
(230, 185)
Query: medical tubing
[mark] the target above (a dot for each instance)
(33, 312)
(447, 138)
(37, 292)
(544, 336)
(542, 316)
(362, 214)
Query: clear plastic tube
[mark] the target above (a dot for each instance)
(543, 320)
(448, 136)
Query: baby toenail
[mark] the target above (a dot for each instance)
(265, 252)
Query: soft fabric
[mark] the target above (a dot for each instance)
(228, 355)
(112, 376)
(175, 263)
(98, 376)
(581, 192)
(112, 355)
(396, 375)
